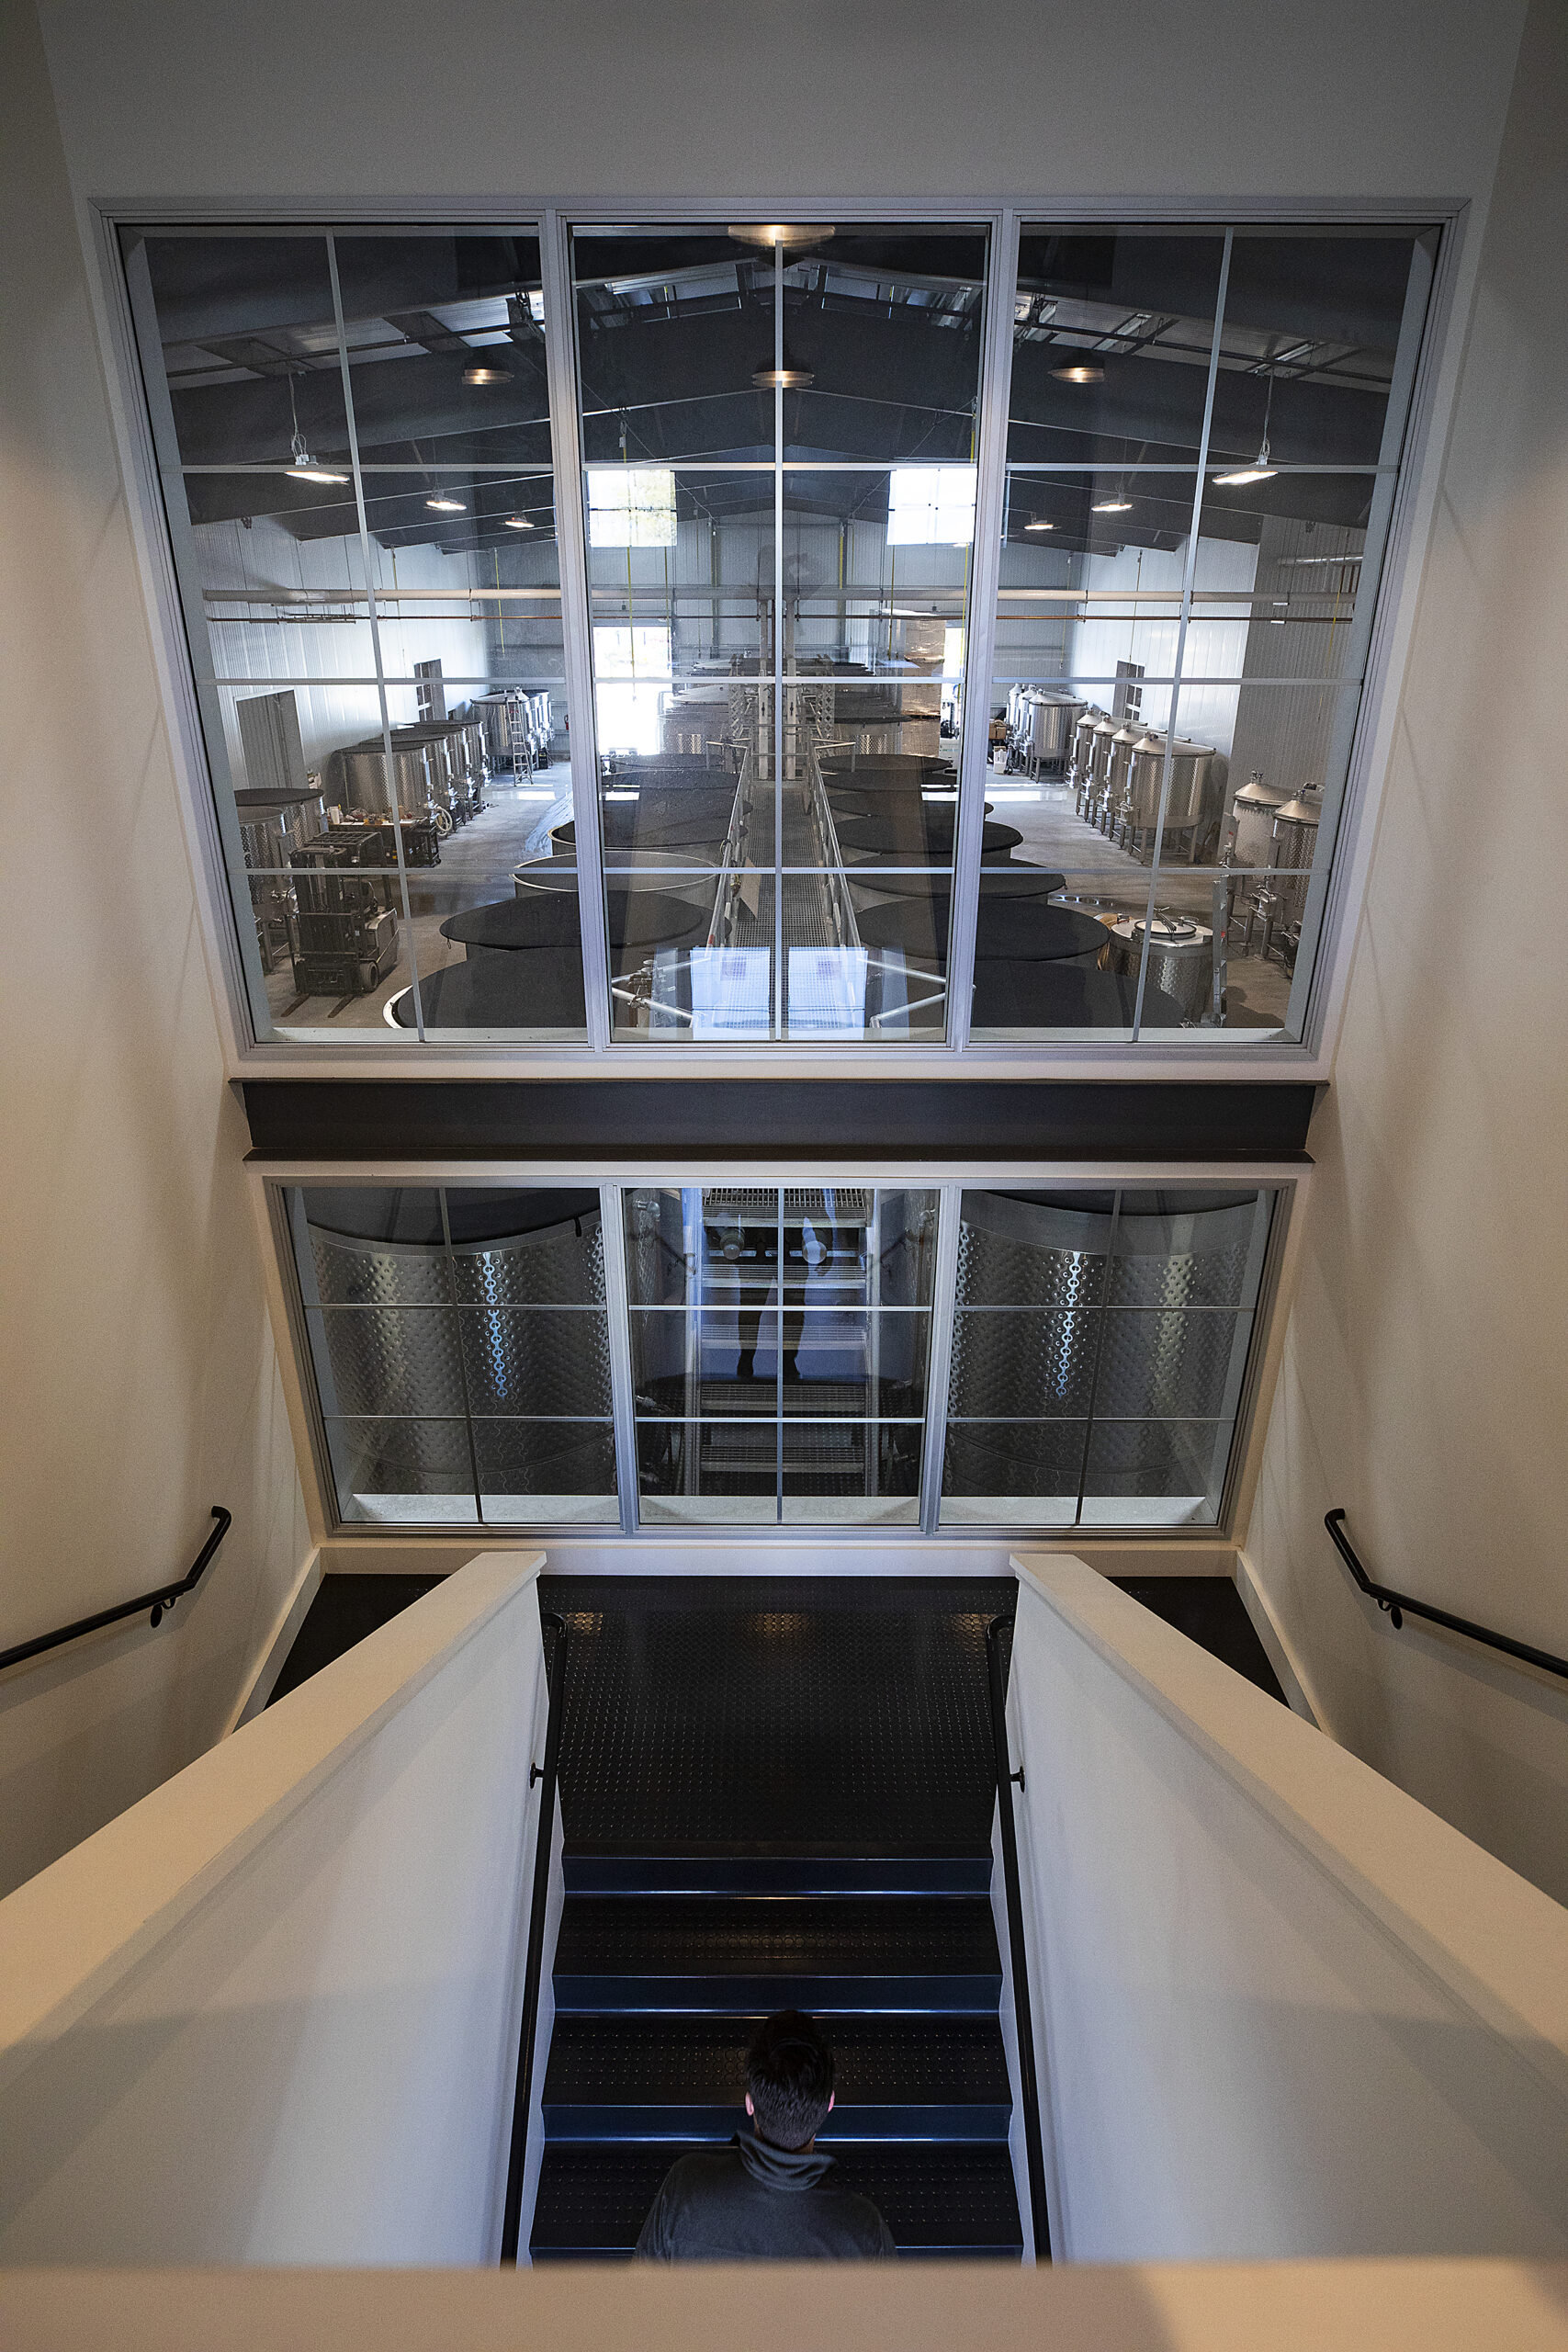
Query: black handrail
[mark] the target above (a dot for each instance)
(555, 1706)
(1033, 2146)
(161, 1597)
(1399, 1604)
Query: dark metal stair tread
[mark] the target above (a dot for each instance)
(750, 1870)
(885, 2062)
(595, 2199)
(697, 1935)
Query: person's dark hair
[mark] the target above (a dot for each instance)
(789, 2072)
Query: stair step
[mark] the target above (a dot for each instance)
(748, 1955)
(750, 1873)
(899, 2079)
(953, 2201)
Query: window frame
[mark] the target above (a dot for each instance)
(1433, 373)
(1289, 1180)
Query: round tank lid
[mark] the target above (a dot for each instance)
(1256, 793)
(1186, 751)
(1305, 809)
(1167, 929)
(1125, 734)
(1105, 724)
(1149, 743)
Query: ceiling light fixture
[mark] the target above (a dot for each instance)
(1040, 526)
(1081, 371)
(447, 505)
(1260, 469)
(519, 523)
(780, 232)
(479, 373)
(305, 468)
(1117, 505)
(770, 378)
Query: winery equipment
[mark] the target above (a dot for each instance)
(1023, 1386)
(1181, 957)
(344, 931)
(357, 778)
(1082, 769)
(533, 1386)
(1251, 830)
(1119, 761)
(272, 826)
(1194, 803)
(1040, 725)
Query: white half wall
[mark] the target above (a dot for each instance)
(1426, 1363)
(270, 2015)
(138, 1382)
(1281, 2010)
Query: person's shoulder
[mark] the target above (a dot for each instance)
(864, 2220)
(702, 2167)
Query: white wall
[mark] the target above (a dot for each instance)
(1281, 2010)
(1427, 1358)
(196, 98)
(140, 1382)
(270, 2015)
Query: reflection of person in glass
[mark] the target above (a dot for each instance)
(753, 1251)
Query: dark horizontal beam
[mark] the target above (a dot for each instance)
(677, 1120)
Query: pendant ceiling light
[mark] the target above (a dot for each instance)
(1260, 469)
(1119, 504)
(768, 377)
(482, 372)
(519, 523)
(304, 467)
(447, 505)
(1039, 525)
(1079, 371)
(791, 234)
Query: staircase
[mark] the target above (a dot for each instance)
(777, 1793)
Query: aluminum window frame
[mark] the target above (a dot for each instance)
(1289, 1179)
(1435, 377)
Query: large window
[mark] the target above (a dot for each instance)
(785, 1355)
(930, 691)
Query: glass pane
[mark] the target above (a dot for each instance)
(1012, 1473)
(1113, 329)
(1154, 1473)
(446, 340)
(516, 1378)
(851, 1473)
(521, 1359)
(541, 1473)
(1156, 1365)
(1099, 1346)
(538, 1248)
(247, 347)
(402, 1473)
(403, 1360)
(721, 1473)
(1176, 1249)
(1008, 1365)
(373, 1245)
(1314, 314)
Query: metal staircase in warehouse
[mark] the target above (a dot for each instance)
(777, 1792)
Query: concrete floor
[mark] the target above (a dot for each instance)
(478, 860)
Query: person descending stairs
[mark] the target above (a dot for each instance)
(777, 1793)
